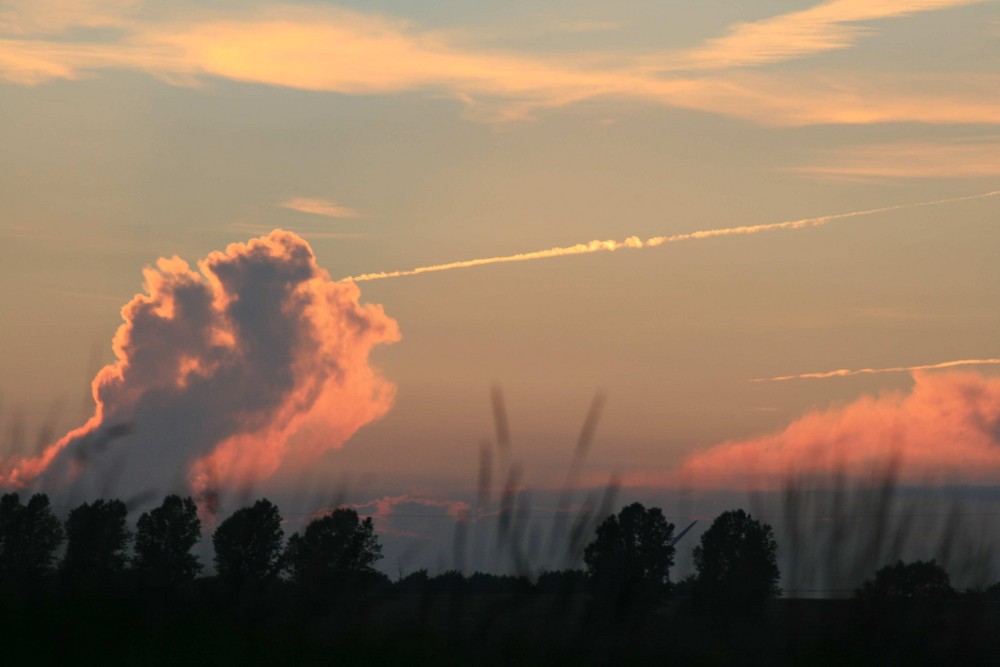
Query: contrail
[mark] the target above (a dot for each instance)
(844, 372)
(634, 242)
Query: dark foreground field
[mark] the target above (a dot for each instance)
(204, 624)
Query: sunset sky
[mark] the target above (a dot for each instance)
(387, 136)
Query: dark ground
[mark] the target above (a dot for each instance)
(203, 624)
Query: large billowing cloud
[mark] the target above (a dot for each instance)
(225, 373)
(946, 429)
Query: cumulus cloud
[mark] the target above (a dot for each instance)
(224, 373)
(945, 429)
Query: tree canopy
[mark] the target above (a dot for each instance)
(631, 551)
(919, 580)
(164, 539)
(248, 543)
(97, 542)
(29, 535)
(332, 547)
(737, 564)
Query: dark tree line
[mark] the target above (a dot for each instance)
(29, 537)
(628, 560)
(319, 588)
(249, 545)
(629, 557)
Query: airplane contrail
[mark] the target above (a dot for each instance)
(844, 372)
(635, 243)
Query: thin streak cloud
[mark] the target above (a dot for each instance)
(635, 243)
(322, 207)
(964, 157)
(844, 372)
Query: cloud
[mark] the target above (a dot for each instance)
(223, 374)
(842, 98)
(51, 17)
(635, 243)
(827, 26)
(844, 372)
(946, 429)
(35, 61)
(387, 508)
(975, 157)
(323, 207)
(350, 52)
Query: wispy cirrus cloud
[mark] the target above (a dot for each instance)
(322, 207)
(49, 17)
(336, 50)
(828, 26)
(845, 372)
(967, 157)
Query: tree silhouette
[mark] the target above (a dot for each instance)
(248, 544)
(632, 552)
(919, 580)
(333, 548)
(900, 612)
(97, 543)
(29, 536)
(737, 565)
(163, 542)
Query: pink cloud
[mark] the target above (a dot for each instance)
(222, 374)
(364, 53)
(946, 429)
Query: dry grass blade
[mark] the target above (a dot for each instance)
(500, 418)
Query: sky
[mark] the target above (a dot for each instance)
(293, 163)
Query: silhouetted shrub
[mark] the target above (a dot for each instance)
(919, 580)
(899, 614)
